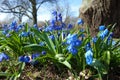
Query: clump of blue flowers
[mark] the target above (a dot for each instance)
(31, 59)
(73, 42)
(13, 27)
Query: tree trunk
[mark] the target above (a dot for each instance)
(101, 12)
(34, 11)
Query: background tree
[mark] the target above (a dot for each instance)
(22, 8)
(101, 12)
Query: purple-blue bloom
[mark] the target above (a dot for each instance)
(70, 26)
(94, 39)
(54, 13)
(80, 22)
(35, 55)
(71, 38)
(49, 28)
(35, 26)
(88, 46)
(103, 34)
(3, 56)
(43, 52)
(25, 59)
(8, 35)
(76, 43)
(101, 28)
(24, 34)
(89, 57)
(72, 49)
(60, 17)
(52, 37)
(42, 43)
(52, 22)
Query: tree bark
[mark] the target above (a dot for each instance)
(34, 12)
(101, 12)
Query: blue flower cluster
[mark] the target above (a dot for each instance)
(31, 59)
(12, 27)
(24, 34)
(3, 56)
(73, 42)
(25, 59)
(104, 32)
(56, 23)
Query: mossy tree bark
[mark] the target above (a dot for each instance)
(101, 12)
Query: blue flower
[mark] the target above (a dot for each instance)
(21, 59)
(20, 27)
(75, 43)
(89, 57)
(60, 17)
(24, 34)
(82, 35)
(4, 32)
(25, 59)
(113, 42)
(71, 38)
(49, 28)
(88, 46)
(94, 39)
(70, 26)
(43, 52)
(52, 37)
(3, 56)
(8, 35)
(40, 28)
(110, 36)
(35, 55)
(80, 22)
(78, 43)
(57, 28)
(52, 22)
(103, 34)
(72, 49)
(41, 43)
(35, 26)
(101, 28)
(54, 13)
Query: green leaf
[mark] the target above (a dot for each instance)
(34, 47)
(49, 43)
(67, 64)
(106, 57)
(21, 67)
(99, 66)
(4, 74)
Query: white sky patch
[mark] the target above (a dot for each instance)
(3, 16)
(75, 10)
(43, 17)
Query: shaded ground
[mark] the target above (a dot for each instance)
(51, 72)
